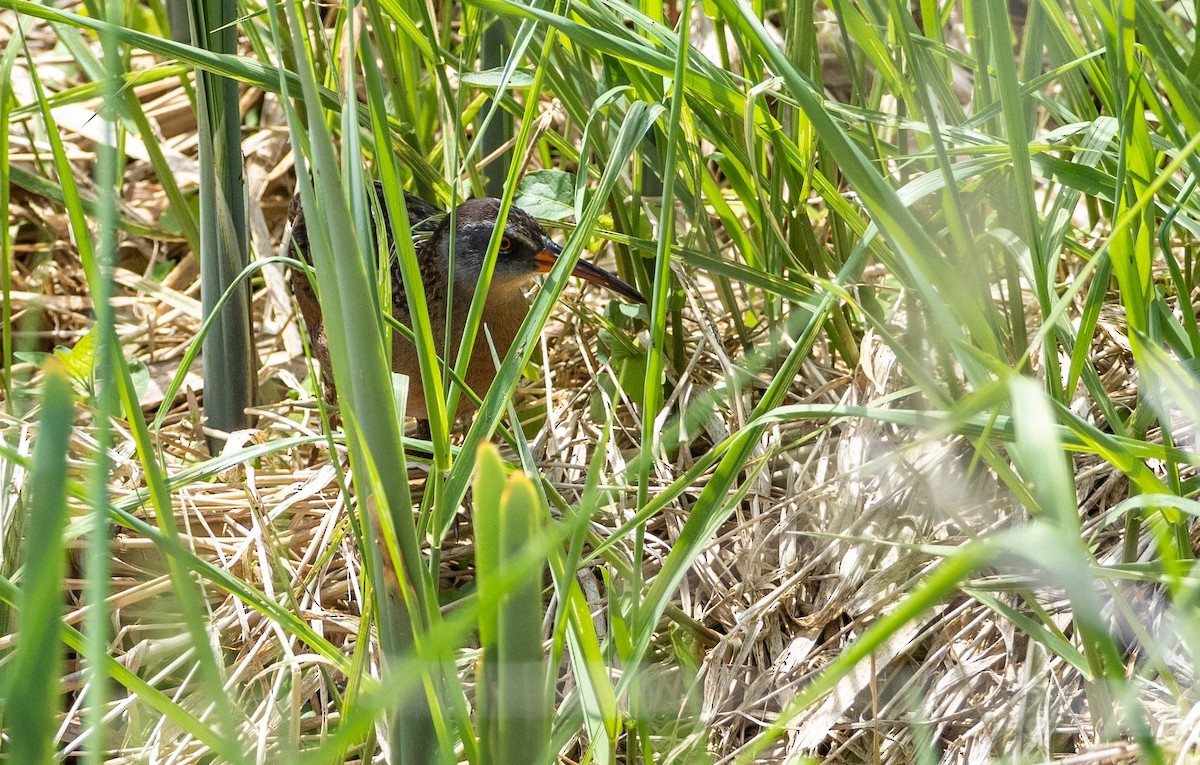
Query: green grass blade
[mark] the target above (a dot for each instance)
(32, 704)
(229, 356)
(514, 708)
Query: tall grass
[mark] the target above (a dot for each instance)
(973, 192)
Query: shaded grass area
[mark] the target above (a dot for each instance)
(898, 465)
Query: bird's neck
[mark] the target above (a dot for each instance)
(503, 310)
(504, 298)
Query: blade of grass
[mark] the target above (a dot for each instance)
(97, 567)
(31, 709)
(414, 286)
(6, 245)
(362, 372)
(514, 722)
(656, 351)
(229, 364)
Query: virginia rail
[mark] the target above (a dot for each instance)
(525, 251)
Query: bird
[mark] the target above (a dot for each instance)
(525, 251)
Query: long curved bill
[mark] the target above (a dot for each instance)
(546, 259)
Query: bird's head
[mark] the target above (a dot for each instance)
(525, 250)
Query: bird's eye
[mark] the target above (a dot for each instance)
(505, 244)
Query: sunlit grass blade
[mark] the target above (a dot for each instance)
(32, 703)
(513, 703)
(98, 568)
(6, 244)
(361, 366)
(405, 253)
